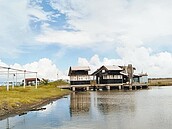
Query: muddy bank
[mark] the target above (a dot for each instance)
(20, 108)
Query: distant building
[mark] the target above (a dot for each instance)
(31, 81)
(108, 75)
(79, 75)
(141, 78)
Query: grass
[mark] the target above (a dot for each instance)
(19, 96)
(160, 82)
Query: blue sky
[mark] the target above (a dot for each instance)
(87, 32)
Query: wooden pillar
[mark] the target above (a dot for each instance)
(36, 86)
(24, 85)
(108, 87)
(13, 81)
(130, 87)
(16, 78)
(8, 79)
(73, 88)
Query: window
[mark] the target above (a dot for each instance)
(111, 76)
(73, 78)
(115, 77)
(104, 76)
(119, 76)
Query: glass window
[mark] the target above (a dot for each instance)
(103, 71)
(104, 76)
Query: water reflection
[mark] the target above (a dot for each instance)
(80, 103)
(8, 124)
(145, 109)
(106, 102)
(116, 102)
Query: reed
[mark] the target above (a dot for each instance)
(160, 82)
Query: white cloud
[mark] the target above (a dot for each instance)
(50, 36)
(130, 28)
(131, 23)
(156, 65)
(13, 25)
(15, 30)
(44, 67)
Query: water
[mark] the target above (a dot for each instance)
(141, 109)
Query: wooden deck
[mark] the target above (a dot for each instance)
(105, 86)
(118, 84)
(64, 87)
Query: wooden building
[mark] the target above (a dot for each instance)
(31, 81)
(140, 78)
(127, 73)
(79, 75)
(108, 75)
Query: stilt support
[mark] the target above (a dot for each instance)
(73, 88)
(108, 87)
(130, 87)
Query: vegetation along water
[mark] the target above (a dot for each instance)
(137, 109)
(19, 99)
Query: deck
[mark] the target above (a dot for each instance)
(105, 86)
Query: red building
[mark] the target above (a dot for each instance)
(31, 81)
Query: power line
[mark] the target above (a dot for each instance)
(15, 72)
(21, 70)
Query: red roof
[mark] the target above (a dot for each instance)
(31, 79)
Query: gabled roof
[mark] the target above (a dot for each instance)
(32, 79)
(109, 68)
(113, 67)
(125, 67)
(141, 74)
(78, 68)
(135, 75)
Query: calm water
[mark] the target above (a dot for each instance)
(141, 109)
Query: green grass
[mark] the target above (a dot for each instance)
(160, 82)
(19, 96)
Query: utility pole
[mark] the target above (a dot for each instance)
(8, 79)
(36, 86)
(24, 85)
(13, 81)
(16, 78)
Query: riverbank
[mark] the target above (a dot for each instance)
(19, 100)
(160, 82)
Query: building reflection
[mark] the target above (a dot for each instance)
(110, 102)
(80, 103)
(96, 103)
(8, 124)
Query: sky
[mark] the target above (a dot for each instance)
(49, 36)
